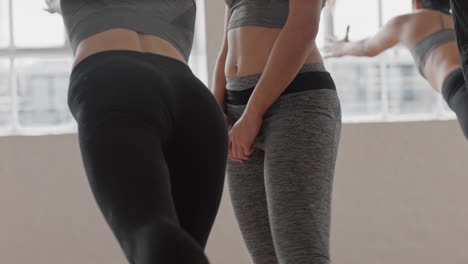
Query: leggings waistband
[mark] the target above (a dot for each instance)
(303, 82)
(246, 82)
(107, 58)
(106, 67)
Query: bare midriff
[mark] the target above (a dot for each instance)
(442, 61)
(249, 49)
(124, 39)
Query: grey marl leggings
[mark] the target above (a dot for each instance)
(282, 194)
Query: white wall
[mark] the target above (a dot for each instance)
(400, 197)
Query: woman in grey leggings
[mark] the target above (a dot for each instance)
(285, 120)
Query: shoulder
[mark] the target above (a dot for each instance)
(401, 20)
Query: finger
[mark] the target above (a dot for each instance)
(233, 149)
(347, 33)
(248, 150)
(235, 159)
(240, 152)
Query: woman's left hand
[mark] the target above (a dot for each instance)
(242, 137)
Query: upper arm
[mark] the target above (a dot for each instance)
(226, 23)
(305, 15)
(387, 37)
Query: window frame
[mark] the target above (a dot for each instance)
(11, 52)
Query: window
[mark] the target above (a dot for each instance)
(387, 87)
(35, 64)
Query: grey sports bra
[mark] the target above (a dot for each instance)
(424, 48)
(171, 20)
(263, 13)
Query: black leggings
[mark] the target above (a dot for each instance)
(460, 19)
(455, 92)
(154, 145)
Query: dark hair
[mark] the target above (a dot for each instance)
(440, 5)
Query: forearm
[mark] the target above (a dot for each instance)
(286, 59)
(357, 49)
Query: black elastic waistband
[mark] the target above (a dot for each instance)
(303, 82)
(454, 81)
(108, 55)
(126, 58)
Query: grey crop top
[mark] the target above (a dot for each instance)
(263, 13)
(424, 48)
(171, 20)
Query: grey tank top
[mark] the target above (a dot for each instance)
(424, 48)
(171, 20)
(262, 13)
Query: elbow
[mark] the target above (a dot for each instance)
(369, 51)
(372, 53)
(308, 36)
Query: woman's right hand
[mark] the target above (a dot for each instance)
(334, 48)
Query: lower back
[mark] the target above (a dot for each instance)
(124, 39)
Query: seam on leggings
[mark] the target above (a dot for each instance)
(334, 150)
(333, 159)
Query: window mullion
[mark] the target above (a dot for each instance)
(18, 52)
(13, 86)
(329, 24)
(384, 89)
(380, 6)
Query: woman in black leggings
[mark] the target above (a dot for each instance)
(152, 137)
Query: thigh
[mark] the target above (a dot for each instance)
(124, 119)
(121, 137)
(300, 156)
(247, 190)
(197, 162)
(130, 180)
